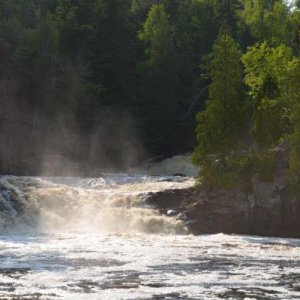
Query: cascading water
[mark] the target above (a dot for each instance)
(114, 203)
(73, 238)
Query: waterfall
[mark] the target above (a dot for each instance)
(113, 203)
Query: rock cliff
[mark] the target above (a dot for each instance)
(268, 211)
(271, 209)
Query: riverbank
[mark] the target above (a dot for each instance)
(271, 210)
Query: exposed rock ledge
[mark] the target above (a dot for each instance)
(270, 210)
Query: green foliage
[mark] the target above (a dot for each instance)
(66, 64)
(161, 71)
(270, 124)
(294, 138)
(268, 20)
(157, 33)
(221, 124)
(267, 71)
(218, 174)
(238, 171)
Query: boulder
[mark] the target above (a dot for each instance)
(271, 210)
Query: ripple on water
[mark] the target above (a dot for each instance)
(95, 266)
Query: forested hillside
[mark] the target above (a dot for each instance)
(112, 82)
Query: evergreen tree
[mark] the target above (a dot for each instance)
(112, 54)
(71, 63)
(268, 19)
(160, 80)
(220, 125)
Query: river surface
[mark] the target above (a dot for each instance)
(68, 238)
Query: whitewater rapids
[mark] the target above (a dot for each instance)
(113, 203)
(68, 238)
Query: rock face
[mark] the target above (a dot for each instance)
(272, 208)
(268, 211)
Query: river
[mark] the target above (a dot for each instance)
(73, 238)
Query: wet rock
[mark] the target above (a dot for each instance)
(269, 211)
(171, 213)
(179, 175)
(272, 208)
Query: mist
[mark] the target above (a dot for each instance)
(32, 143)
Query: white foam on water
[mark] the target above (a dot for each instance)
(73, 238)
(141, 266)
(115, 203)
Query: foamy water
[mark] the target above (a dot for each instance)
(66, 238)
(96, 266)
(114, 203)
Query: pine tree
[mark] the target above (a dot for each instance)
(268, 19)
(220, 125)
(160, 79)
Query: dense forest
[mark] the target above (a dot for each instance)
(109, 83)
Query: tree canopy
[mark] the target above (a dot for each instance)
(111, 82)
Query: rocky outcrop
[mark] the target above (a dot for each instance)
(268, 211)
(272, 208)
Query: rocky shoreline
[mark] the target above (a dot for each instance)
(269, 211)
